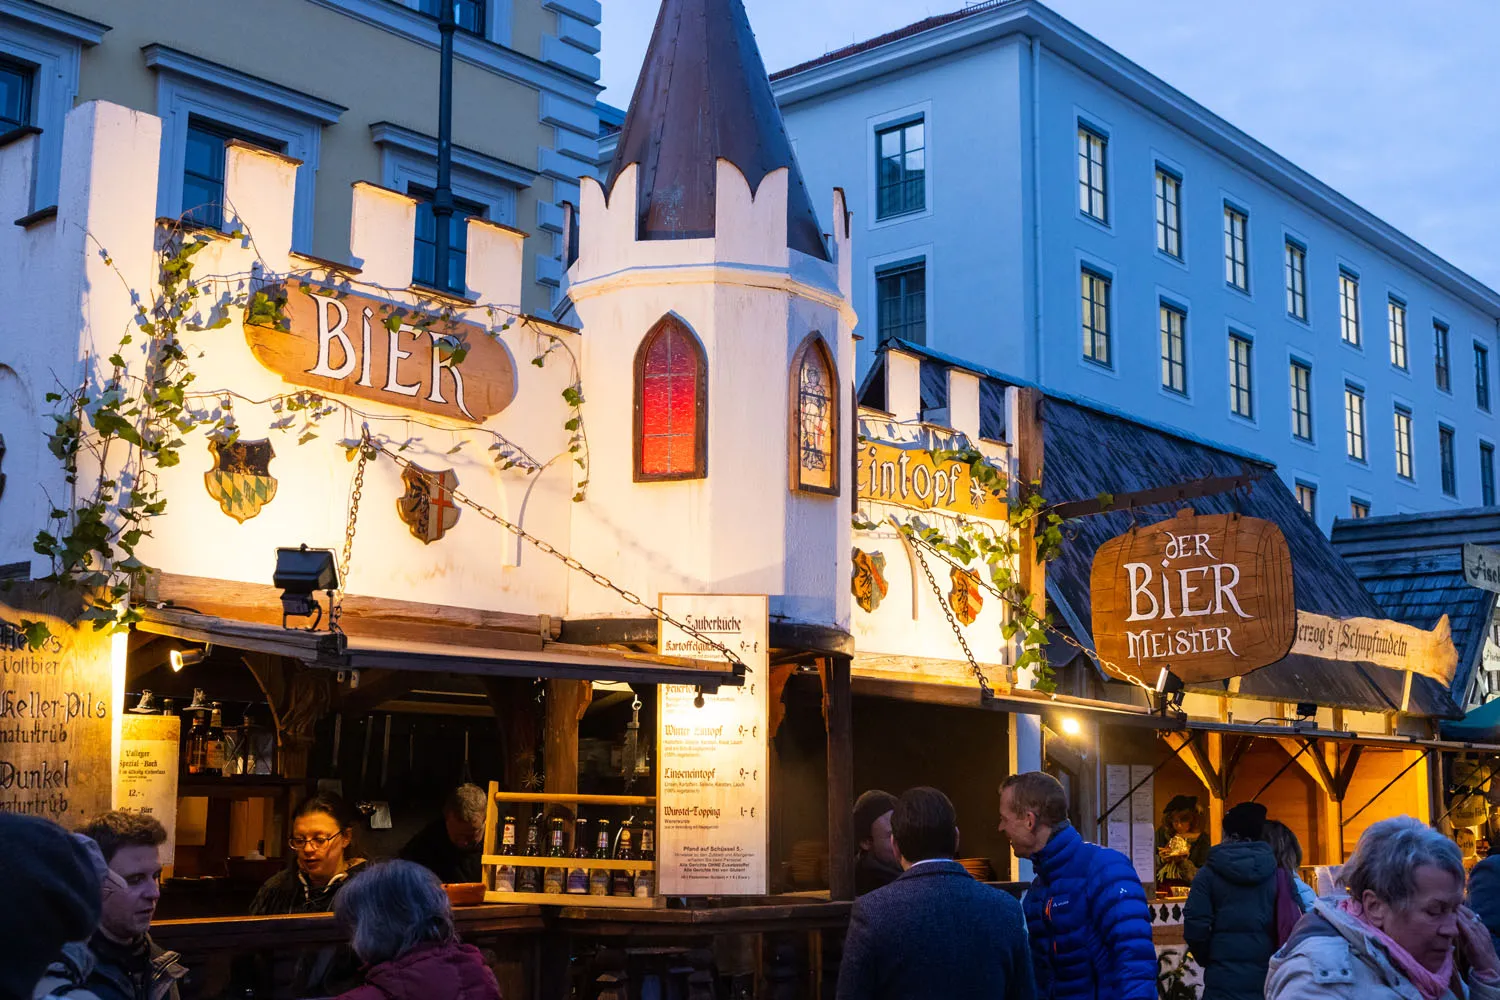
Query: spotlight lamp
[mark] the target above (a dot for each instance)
(300, 574)
(1070, 727)
(180, 658)
(1171, 690)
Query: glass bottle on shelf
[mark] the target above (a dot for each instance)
(599, 877)
(505, 875)
(578, 873)
(622, 880)
(213, 750)
(529, 879)
(556, 875)
(196, 747)
(645, 879)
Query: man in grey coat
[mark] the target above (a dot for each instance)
(934, 933)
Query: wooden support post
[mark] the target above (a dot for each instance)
(1333, 809)
(1213, 749)
(1430, 788)
(567, 700)
(1029, 444)
(839, 701)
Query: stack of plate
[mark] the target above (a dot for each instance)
(980, 868)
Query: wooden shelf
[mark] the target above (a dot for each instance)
(610, 864)
(572, 900)
(563, 798)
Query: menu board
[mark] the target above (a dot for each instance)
(147, 777)
(1143, 822)
(1117, 823)
(54, 709)
(712, 837)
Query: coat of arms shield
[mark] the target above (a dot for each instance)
(427, 506)
(241, 478)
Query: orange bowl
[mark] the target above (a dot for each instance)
(464, 893)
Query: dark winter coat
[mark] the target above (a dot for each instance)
(936, 934)
(1089, 923)
(431, 972)
(1230, 920)
(1484, 894)
(434, 850)
(320, 971)
(870, 873)
(102, 969)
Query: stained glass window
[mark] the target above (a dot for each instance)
(815, 417)
(669, 404)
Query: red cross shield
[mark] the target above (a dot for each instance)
(427, 506)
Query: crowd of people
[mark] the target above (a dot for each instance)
(1406, 924)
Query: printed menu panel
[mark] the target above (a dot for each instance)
(1143, 822)
(712, 837)
(146, 780)
(54, 709)
(1117, 823)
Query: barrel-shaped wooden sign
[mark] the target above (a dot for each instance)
(339, 341)
(1207, 596)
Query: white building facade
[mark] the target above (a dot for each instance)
(1029, 200)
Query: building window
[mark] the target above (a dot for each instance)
(671, 390)
(1349, 308)
(1440, 357)
(815, 417)
(424, 259)
(1173, 349)
(1168, 213)
(1236, 250)
(1359, 509)
(1296, 281)
(203, 170)
(15, 95)
(1095, 317)
(901, 296)
(1447, 460)
(902, 169)
(1482, 376)
(1487, 474)
(1403, 443)
(1241, 400)
(1301, 401)
(1354, 423)
(467, 14)
(1307, 499)
(1091, 196)
(1396, 317)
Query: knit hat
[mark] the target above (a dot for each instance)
(1181, 804)
(1245, 821)
(868, 808)
(52, 879)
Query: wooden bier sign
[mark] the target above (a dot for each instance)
(54, 710)
(1208, 596)
(915, 478)
(354, 345)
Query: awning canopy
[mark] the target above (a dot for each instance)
(1480, 725)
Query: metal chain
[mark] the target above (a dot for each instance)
(567, 560)
(985, 690)
(337, 611)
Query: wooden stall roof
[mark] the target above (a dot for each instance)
(1389, 742)
(1413, 566)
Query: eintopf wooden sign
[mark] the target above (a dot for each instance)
(1209, 596)
(915, 478)
(354, 345)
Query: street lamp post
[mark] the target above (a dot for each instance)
(442, 197)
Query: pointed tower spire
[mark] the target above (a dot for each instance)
(703, 96)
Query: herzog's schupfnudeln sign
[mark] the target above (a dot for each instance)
(1209, 596)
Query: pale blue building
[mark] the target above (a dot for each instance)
(1031, 201)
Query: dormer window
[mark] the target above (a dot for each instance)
(671, 415)
(814, 419)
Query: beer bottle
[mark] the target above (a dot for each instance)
(505, 875)
(556, 875)
(530, 877)
(213, 744)
(645, 879)
(622, 882)
(599, 877)
(578, 874)
(197, 746)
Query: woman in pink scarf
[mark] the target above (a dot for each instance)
(1403, 933)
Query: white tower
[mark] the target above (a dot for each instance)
(718, 356)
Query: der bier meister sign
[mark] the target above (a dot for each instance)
(1209, 596)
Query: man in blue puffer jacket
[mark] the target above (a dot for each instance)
(1086, 912)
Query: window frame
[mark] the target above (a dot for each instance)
(814, 342)
(1448, 460)
(227, 135)
(901, 125)
(459, 204)
(1088, 308)
(1310, 509)
(1442, 357)
(1300, 415)
(481, 31)
(1355, 505)
(1482, 396)
(1178, 366)
(1486, 473)
(1238, 339)
(1398, 333)
(1399, 412)
(1296, 296)
(1167, 230)
(1087, 131)
(27, 72)
(1361, 433)
(1349, 321)
(895, 269)
(52, 41)
(1236, 266)
(700, 429)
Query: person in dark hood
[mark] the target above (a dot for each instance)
(876, 865)
(1230, 919)
(50, 872)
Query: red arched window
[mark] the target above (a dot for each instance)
(814, 418)
(671, 415)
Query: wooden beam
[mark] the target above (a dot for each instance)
(375, 688)
(1196, 759)
(567, 700)
(1306, 754)
(1346, 772)
(1213, 752)
(1189, 490)
(1332, 831)
(1030, 445)
(1230, 766)
(839, 701)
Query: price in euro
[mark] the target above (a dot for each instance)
(750, 731)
